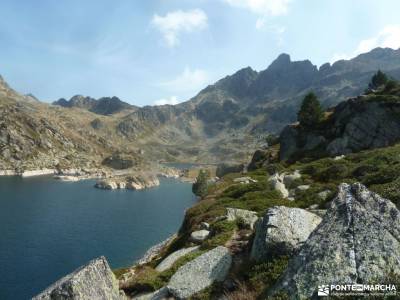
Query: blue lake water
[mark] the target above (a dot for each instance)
(49, 228)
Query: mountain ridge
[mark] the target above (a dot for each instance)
(101, 106)
(224, 122)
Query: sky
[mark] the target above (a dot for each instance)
(157, 52)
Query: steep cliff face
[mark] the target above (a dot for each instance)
(366, 122)
(92, 281)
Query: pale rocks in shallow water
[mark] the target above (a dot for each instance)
(282, 230)
(357, 241)
(200, 273)
(93, 281)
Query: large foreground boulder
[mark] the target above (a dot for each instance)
(282, 230)
(200, 273)
(358, 241)
(93, 281)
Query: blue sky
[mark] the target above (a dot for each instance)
(165, 51)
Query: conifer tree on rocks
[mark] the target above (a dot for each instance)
(310, 113)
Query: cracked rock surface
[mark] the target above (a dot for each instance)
(358, 241)
(282, 230)
(200, 273)
(93, 281)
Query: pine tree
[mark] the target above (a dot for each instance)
(379, 79)
(310, 113)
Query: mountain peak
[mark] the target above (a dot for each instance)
(281, 61)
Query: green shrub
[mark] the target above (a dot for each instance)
(262, 276)
(222, 233)
(382, 176)
(146, 280)
(335, 172)
(361, 171)
(237, 191)
(119, 272)
(378, 80)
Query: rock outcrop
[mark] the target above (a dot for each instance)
(200, 273)
(102, 106)
(93, 281)
(282, 231)
(358, 241)
(223, 169)
(277, 184)
(365, 122)
(260, 158)
(249, 218)
(138, 182)
(173, 257)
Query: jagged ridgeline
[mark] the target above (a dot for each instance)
(224, 122)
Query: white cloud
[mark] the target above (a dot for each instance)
(340, 56)
(389, 37)
(260, 24)
(174, 23)
(189, 80)
(262, 7)
(173, 100)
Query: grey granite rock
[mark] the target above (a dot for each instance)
(200, 273)
(282, 230)
(276, 182)
(92, 281)
(199, 236)
(357, 124)
(358, 241)
(173, 257)
(248, 217)
(289, 178)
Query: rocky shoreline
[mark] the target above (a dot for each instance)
(107, 179)
(135, 182)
